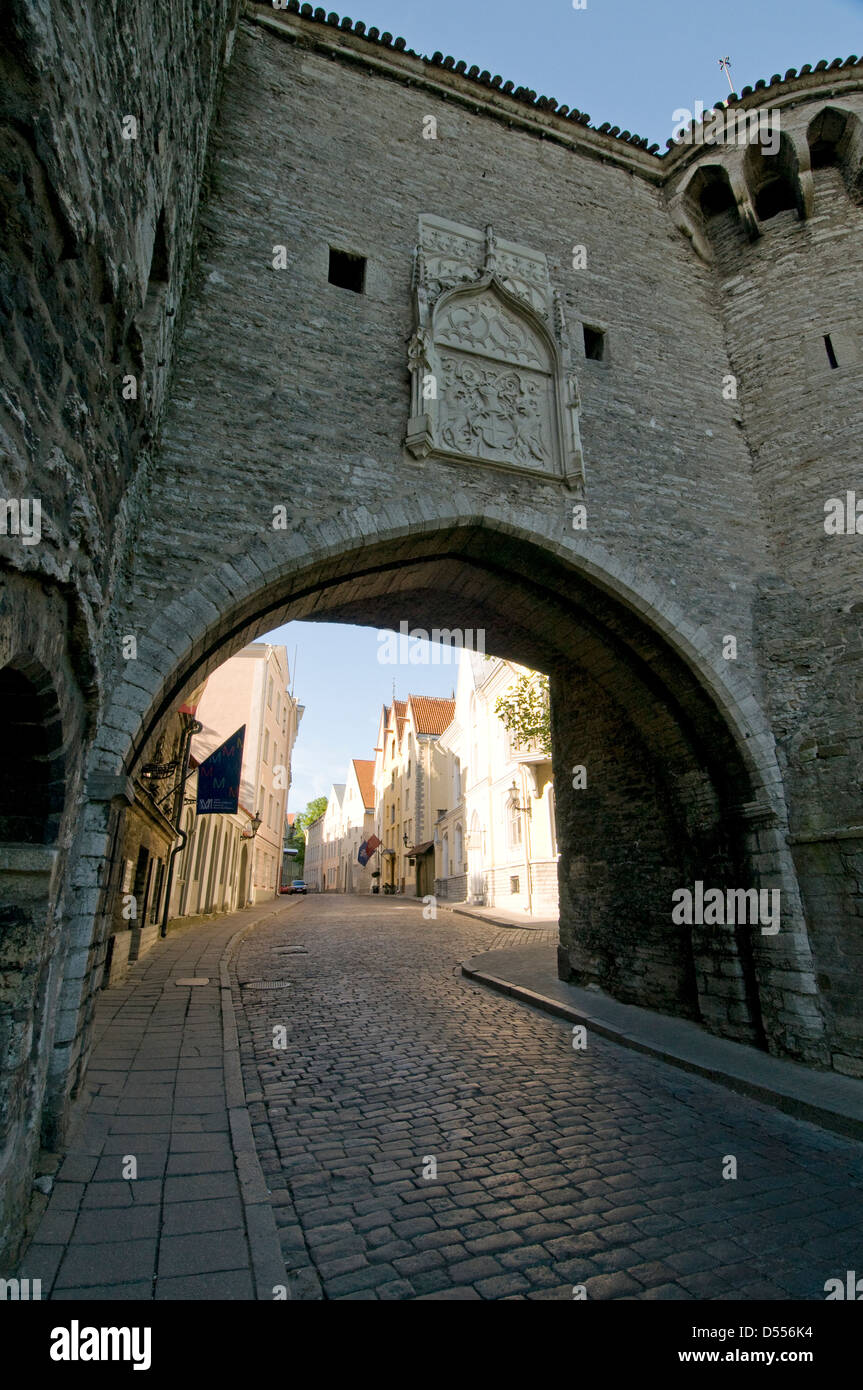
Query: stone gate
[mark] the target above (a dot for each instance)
(300, 324)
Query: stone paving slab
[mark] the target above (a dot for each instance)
(528, 971)
(156, 1094)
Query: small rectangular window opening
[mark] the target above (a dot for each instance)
(831, 354)
(347, 271)
(513, 884)
(594, 343)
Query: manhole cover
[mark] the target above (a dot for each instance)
(267, 984)
(196, 980)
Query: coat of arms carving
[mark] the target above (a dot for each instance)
(491, 378)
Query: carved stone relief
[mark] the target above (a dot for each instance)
(491, 378)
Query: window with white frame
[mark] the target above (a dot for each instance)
(514, 822)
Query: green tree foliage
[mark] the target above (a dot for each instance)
(297, 834)
(314, 810)
(525, 713)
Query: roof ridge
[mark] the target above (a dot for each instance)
(526, 95)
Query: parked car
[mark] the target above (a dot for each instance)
(299, 886)
(284, 888)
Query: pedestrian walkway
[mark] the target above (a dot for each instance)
(504, 917)
(527, 970)
(160, 1194)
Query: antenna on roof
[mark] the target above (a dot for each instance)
(725, 64)
(394, 689)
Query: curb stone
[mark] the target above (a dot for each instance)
(268, 1267)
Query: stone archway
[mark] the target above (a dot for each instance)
(688, 787)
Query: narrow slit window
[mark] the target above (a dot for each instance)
(347, 271)
(831, 351)
(594, 343)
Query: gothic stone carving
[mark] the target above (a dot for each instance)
(491, 380)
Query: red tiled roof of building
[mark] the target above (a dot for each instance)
(365, 770)
(401, 708)
(431, 715)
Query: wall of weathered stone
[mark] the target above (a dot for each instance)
(282, 388)
(290, 389)
(89, 300)
(780, 294)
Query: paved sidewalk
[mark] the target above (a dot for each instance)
(185, 1227)
(527, 970)
(503, 917)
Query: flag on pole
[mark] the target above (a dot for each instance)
(367, 849)
(219, 778)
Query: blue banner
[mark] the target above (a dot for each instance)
(219, 778)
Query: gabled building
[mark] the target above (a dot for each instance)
(358, 823)
(331, 837)
(412, 775)
(313, 865)
(230, 861)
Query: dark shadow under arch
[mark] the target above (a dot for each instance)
(676, 769)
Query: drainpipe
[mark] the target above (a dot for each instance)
(193, 727)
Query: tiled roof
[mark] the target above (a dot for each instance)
(365, 770)
(400, 707)
(431, 715)
(319, 15)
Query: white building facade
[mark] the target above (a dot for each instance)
(496, 844)
(313, 867)
(228, 863)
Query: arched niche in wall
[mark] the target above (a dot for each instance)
(711, 203)
(835, 138)
(772, 174)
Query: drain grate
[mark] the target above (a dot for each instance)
(267, 984)
(291, 951)
(197, 980)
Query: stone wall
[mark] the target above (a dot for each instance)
(298, 387)
(788, 289)
(282, 388)
(97, 246)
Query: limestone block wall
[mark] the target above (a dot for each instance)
(289, 388)
(788, 289)
(98, 233)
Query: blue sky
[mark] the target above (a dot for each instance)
(343, 685)
(630, 62)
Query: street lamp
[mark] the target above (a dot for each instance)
(515, 805)
(252, 828)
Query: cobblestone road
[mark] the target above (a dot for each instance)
(555, 1167)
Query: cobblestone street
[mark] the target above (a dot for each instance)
(554, 1167)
